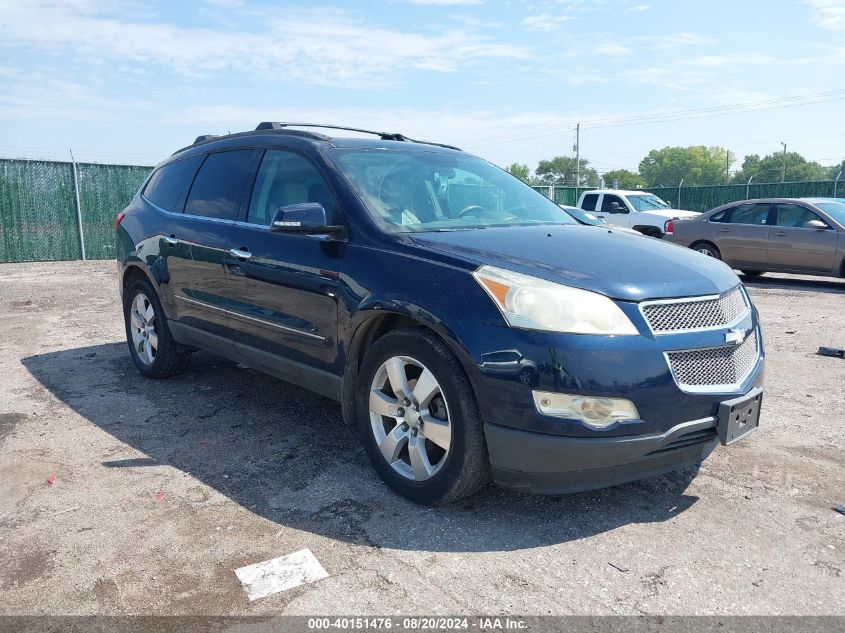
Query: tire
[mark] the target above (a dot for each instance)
(457, 471)
(155, 355)
(751, 273)
(707, 249)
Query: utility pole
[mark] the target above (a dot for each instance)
(728, 167)
(783, 170)
(577, 155)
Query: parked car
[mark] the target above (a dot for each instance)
(589, 219)
(468, 328)
(790, 235)
(640, 210)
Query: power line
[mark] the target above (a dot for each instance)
(663, 117)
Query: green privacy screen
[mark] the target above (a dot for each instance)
(706, 198)
(38, 215)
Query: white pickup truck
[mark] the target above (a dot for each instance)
(639, 210)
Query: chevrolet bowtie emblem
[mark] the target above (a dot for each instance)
(735, 336)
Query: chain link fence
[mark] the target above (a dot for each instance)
(41, 215)
(709, 197)
(44, 205)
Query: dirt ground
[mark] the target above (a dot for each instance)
(163, 488)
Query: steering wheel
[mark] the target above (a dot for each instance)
(473, 208)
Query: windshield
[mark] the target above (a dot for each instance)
(416, 190)
(584, 217)
(648, 202)
(835, 209)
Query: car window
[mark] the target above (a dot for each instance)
(589, 202)
(794, 216)
(287, 178)
(647, 202)
(720, 217)
(166, 185)
(430, 190)
(219, 185)
(835, 208)
(749, 214)
(606, 203)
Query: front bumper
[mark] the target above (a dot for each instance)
(548, 464)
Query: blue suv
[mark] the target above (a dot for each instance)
(470, 329)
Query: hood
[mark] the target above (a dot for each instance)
(673, 213)
(616, 264)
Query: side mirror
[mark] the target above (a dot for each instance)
(615, 207)
(305, 217)
(815, 224)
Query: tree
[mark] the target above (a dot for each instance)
(519, 171)
(696, 165)
(835, 170)
(770, 168)
(627, 179)
(560, 170)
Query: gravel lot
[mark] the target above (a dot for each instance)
(163, 488)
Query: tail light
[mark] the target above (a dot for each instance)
(669, 227)
(118, 219)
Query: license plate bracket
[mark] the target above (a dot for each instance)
(740, 416)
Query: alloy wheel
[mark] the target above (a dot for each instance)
(143, 326)
(409, 417)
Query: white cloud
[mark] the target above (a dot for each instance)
(544, 22)
(316, 46)
(444, 3)
(638, 8)
(613, 49)
(671, 41)
(829, 14)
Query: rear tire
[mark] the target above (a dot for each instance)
(151, 345)
(450, 438)
(708, 249)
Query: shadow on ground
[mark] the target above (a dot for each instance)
(821, 284)
(284, 454)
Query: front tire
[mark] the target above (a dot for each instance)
(151, 345)
(418, 419)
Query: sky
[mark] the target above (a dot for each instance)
(132, 81)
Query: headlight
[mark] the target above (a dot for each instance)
(537, 304)
(598, 413)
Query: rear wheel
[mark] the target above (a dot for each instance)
(418, 419)
(153, 350)
(707, 249)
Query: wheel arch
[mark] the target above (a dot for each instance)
(708, 243)
(370, 325)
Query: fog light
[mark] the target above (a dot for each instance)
(598, 413)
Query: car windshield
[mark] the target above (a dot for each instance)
(835, 209)
(584, 217)
(647, 202)
(418, 190)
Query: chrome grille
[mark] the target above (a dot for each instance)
(716, 368)
(675, 315)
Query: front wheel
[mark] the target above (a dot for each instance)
(418, 418)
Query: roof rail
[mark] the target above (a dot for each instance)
(205, 137)
(385, 136)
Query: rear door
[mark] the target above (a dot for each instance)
(743, 234)
(210, 210)
(283, 287)
(795, 246)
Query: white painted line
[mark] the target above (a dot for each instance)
(280, 574)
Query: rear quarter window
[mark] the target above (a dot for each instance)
(166, 185)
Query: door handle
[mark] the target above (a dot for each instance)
(240, 254)
(781, 234)
(171, 240)
(724, 230)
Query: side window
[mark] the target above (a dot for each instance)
(219, 185)
(590, 200)
(168, 182)
(607, 203)
(287, 178)
(793, 215)
(720, 217)
(749, 214)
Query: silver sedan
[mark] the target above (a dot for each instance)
(789, 235)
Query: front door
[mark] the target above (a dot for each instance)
(793, 245)
(282, 287)
(742, 235)
(613, 210)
